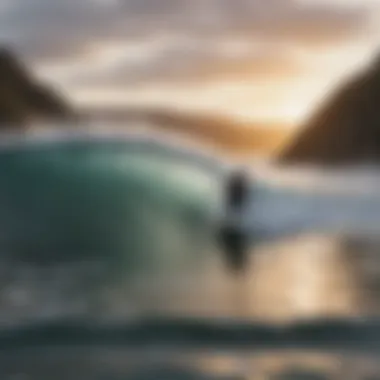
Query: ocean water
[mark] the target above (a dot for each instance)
(110, 268)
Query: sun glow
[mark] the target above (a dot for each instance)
(281, 98)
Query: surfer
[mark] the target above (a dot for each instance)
(233, 239)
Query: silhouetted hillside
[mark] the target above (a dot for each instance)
(234, 136)
(22, 99)
(346, 129)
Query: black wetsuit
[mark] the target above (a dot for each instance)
(234, 242)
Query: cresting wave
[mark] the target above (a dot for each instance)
(83, 211)
(72, 193)
(85, 186)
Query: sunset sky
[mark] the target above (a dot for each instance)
(256, 59)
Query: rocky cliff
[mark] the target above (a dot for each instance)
(22, 98)
(346, 128)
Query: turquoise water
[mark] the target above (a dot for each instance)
(133, 211)
(95, 200)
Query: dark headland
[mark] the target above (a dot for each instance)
(23, 98)
(345, 129)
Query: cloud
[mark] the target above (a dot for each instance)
(172, 40)
(183, 61)
(48, 29)
(52, 27)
